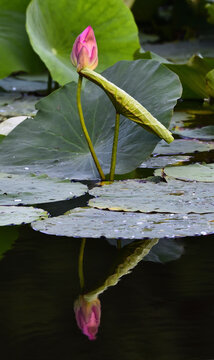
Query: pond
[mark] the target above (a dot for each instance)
(163, 309)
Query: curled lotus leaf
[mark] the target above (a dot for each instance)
(128, 106)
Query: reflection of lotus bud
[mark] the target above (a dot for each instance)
(88, 316)
(84, 52)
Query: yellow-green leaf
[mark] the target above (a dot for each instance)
(128, 106)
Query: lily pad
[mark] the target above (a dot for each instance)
(145, 196)
(53, 38)
(192, 172)
(162, 161)
(13, 84)
(204, 133)
(93, 223)
(8, 98)
(26, 189)
(181, 51)
(178, 147)
(20, 107)
(53, 142)
(17, 215)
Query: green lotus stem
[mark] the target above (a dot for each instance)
(80, 263)
(82, 121)
(114, 148)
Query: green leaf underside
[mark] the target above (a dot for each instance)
(53, 38)
(17, 215)
(192, 172)
(26, 189)
(16, 52)
(172, 197)
(53, 142)
(93, 223)
(182, 147)
(128, 106)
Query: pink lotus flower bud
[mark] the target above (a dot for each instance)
(85, 52)
(88, 316)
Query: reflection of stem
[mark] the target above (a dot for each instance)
(80, 264)
(141, 249)
(119, 244)
(91, 148)
(114, 148)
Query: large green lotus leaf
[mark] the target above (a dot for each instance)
(192, 76)
(204, 133)
(26, 189)
(53, 26)
(145, 196)
(94, 223)
(53, 142)
(17, 215)
(192, 73)
(16, 53)
(192, 172)
(182, 147)
(8, 236)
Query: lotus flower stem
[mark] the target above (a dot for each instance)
(114, 148)
(82, 121)
(80, 263)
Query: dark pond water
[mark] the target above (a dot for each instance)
(158, 311)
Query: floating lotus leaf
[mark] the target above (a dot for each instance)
(145, 196)
(162, 161)
(26, 189)
(14, 84)
(206, 132)
(24, 106)
(53, 142)
(17, 215)
(178, 147)
(93, 223)
(192, 172)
